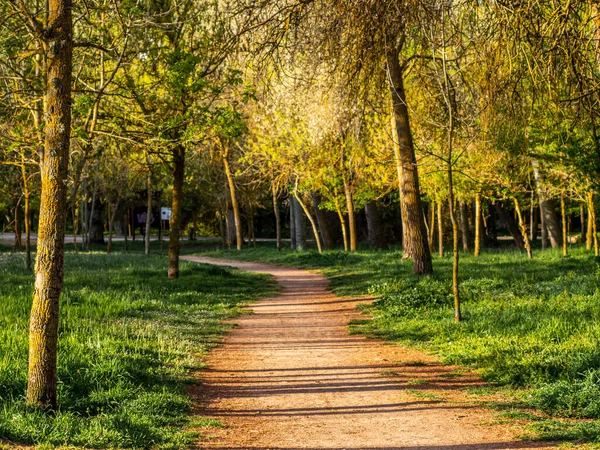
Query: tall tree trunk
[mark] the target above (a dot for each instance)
(312, 222)
(464, 226)
(374, 227)
(338, 209)
(292, 223)
(440, 230)
(234, 203)
(478, 233)
(416, 235)
(49, 267)
(175, 221)
(523, 228)
(547, 208)
(563, 214)
(582, 220)
(299, 225)
(222, 230)
(322, 222)
(148, 213)
(432, 226)
(533, 233)
(27, 233)
(351, 221)
(589, 241)
(231, 232)
(277, 216)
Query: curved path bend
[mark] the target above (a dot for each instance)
(290, 376)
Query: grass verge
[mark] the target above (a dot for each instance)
(129, 339)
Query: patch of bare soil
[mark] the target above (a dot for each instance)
(290, 377)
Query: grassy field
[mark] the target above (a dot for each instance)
(533, 326)
(129, 341)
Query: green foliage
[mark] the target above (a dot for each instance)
(128, 340)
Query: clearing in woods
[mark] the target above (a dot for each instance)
(290, 376)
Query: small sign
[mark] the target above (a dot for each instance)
(165, 213)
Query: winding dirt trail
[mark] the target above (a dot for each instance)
(290, 377)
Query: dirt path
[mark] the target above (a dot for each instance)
(291, 377)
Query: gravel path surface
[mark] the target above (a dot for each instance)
(290, 376)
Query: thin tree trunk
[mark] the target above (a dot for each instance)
(563, 214)
(464, 226)
(351, 221)
(49, 267)
(175, 221)
(342, 222)
(277, 216)
(292, 223)
(148, 214)
(440, 230)
(547, 208)
(582, 220)
(432, 227)
(92, 216)
(322, 222)
(234, 202)
(589, 241)
(413, 224)
(523, 228)
(299, 225)
(27, 233)
(17, 227)
(478, 236)
(312, 222)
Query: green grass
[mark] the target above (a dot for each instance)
(129, 340)
(532, 325)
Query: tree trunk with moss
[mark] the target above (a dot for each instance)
(415, 232)
(49, 267)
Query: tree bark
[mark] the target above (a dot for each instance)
(312, 223)
(49, 267)
(299, 225)
(176, 201)
(440, 230)
(322, 222)
(277, 216)
(464, 226)
(292, 223)
(338, 209)
(17, 221)
(478, 233)
(374, 226)
(563, 215)
(589, 241)
(351, 221)
(523, 229)
(547, 207)
(582, 220)
(148, 213)
(234, 203)
(415, 233)
(432, 226)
